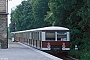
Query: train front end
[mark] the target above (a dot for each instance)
(55, 39)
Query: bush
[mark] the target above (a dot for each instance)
(75, 53)
(81, 55)
(85, 56)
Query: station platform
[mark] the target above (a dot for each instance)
(19, 51)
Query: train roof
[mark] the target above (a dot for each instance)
(52, 28)
(44, 28)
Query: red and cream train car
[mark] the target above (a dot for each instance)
(47, 38)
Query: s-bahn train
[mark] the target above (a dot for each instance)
(51, 38)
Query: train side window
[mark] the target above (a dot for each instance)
(50, 36)
(61, 36)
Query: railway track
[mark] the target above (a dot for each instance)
(63, 55)
(69, 58)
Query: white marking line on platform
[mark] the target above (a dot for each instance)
(43, 53)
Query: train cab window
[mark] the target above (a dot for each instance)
(50, 36)
(61, 36)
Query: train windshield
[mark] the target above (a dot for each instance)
(50, 36)
(61, 36)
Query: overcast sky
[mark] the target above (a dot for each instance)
(12, 4)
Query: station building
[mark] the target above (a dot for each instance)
(3, 24)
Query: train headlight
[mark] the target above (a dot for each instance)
(48, 46)
(63, 46)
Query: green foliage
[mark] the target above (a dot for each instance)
(74, 14)
(30, 14)
(22, 16)
(39, 9)
(75, 53)
(60, 10)
(85, 56)
(84, 51)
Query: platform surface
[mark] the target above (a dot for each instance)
(19, 51)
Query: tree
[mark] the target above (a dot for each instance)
(30, 14)
(39, 9)
(74, 14)
(59, 11)
(22, 16)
